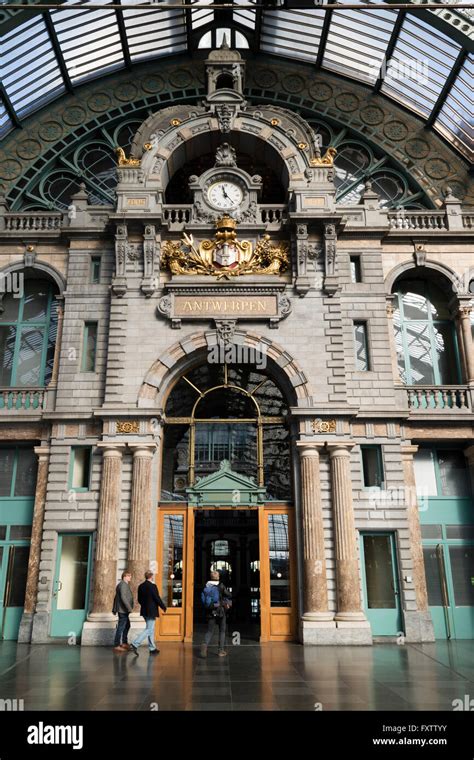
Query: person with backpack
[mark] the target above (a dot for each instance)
(216, 601)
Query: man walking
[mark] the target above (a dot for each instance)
(150, 601)
(123, 606)
(216, 600)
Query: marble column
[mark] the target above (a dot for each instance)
(105, 565)
(411, 501)
(140, 515)
(349, 607)
(418, 624)
(315, 591)
(464, 316)
(31, 591)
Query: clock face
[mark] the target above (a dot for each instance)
(225, 195)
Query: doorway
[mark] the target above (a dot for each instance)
(13, 575)
(381, 584)
(449, 568)
(227, 541)
(71, 584)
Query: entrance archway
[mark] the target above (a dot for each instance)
(225, 484)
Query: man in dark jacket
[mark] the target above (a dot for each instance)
(123, 606)
(150, 601)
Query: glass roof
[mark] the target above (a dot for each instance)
(418, 64)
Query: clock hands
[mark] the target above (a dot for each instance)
(225, 193)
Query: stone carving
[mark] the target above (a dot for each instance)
(324, 426)
(284, 304)
(165, 305)
(201, 214)
(134, 251)
(150, 249)
(127, 427)
(250, 214)
(225, 329)
(225, 116)
(225, 155)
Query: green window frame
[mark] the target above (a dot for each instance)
(361, 346)
(442, 485)
(27, 345)
(95, 270)
(87, 450)
(89, 346)
(17, 491)
(375, 453)
(428, 334)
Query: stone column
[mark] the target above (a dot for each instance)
(390, 308)
(418, 625)
(140, 514)
(464, 316)
(349, 608)
(24, 635)
(105, 566)
(315, 591)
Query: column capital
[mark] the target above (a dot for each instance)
(110, 449)
(42, 452)
(310, 448)
(145, 449)
(340, 448)
(408, 450)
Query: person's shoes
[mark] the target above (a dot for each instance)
(204, 651)
(125, 647)
(134, 650)
(118, 649)
(222, 653)
(154, 651)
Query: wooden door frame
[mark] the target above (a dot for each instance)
(266, 611)
(187, 610)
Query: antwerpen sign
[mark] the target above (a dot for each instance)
(202, 304)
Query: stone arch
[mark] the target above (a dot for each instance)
(173, 136)
(171, 365)
(37, 267)
(440, 273)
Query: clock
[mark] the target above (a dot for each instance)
(225, 195)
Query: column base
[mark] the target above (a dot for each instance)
(26, 628)
(99, 629)
(335, 633)
(350, 617)
(418, 627)
(318, 617)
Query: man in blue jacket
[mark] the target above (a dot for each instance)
(150, 601)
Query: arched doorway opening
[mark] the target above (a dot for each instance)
(226, 502)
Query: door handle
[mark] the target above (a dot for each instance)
(59, 586)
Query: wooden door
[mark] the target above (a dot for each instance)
(277, 574)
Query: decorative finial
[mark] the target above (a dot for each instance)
(224, 45)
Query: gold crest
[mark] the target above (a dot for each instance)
(225, 256)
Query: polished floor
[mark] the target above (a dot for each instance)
(251, 677)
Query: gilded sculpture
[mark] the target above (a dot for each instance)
(225, 256)
(326, 160)
(123, 160)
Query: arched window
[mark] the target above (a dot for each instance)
(28, 326)
(425, 337)
(220, 412)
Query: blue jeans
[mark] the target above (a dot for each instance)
(123, 627)
(148, 632)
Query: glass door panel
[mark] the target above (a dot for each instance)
(461, 559)
(15, 587)
(277, 574)
(381, 587)
(71, 585)
(171, 578)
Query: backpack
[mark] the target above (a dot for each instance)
(210, 597)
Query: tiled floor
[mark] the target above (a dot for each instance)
(252, 677)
